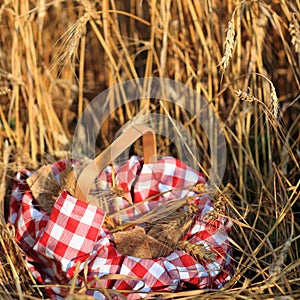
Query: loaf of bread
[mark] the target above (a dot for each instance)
(136, 242)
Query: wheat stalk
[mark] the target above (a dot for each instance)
(45, 188)
(274, 101)
(272, 108)
(228, 45)
(244, 96)
(172, 228)
(14, 272)
(198, 251)
(219, 208)
(294, 29)
(71, 39)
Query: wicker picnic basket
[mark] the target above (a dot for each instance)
(137, 229)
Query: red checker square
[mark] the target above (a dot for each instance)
(93, 233)
(60, 249)
(81, 204)
(54, 214)
(187, 260)
(43, 223)
(203, 235)
(157, 285)
(29, 228)
(44, 241)
(138, 197)
(124, 286)
(176, 181)
(124, 186)
(194, 280)
(153, 192)
(71, 225)
(26, 208)
(139, 270)
(112, 254)
(179, 163)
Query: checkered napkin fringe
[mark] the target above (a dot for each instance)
(74, 234)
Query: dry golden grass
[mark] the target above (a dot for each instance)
(241, 56)
(16, 280)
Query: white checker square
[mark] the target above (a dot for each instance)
(88, 216)
(183, 273)
(65, 264)
(169, 169)
(100, 263)
(191, 176)
(57, 231)
(164, 188)
(156, 270)
(77, 241)
(68, 205)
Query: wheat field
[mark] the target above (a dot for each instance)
(242, 57)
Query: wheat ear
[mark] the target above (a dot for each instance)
(228, 45)
(198, 251)
(294, 29)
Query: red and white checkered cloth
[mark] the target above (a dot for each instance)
(74, 232)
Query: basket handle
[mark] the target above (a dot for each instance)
(126, 139)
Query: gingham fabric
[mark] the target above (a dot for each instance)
(73, 234)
